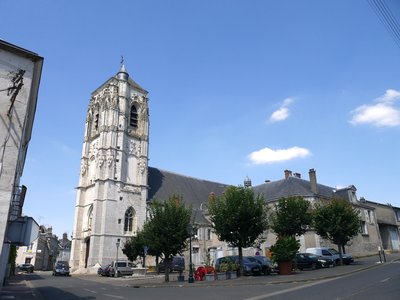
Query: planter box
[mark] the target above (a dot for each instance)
(221, 276)
(209, 277)
(285, 267)
(231, 275)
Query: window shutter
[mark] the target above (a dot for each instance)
(366, 215)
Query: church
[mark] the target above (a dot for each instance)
(116, 184)
(115, 181)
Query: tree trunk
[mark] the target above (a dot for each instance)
(240, 261)
(340, 254)
(168, 263)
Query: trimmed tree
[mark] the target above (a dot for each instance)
(167, 229)
(337, 221)
(290, 218)
(238, 217)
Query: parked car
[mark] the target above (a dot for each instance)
(28, 268)
(121, 268)
(177, 265)
(330, 253)
(266, 264)
(312, 261)
(249, 267)
(104, 270)
(61, 268)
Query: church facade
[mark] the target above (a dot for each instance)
(112, 191)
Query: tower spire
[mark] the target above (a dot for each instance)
(122, 74)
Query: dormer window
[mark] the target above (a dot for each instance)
(133, 121)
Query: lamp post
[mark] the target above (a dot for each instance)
(116, 261)
(191, 279)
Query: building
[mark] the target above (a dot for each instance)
(388, 220)
(112, 191)
(116, 184)
(20, 72)
(42, 252)
(64, 248)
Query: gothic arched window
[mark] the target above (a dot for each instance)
(133, 120)
(90, 217)
(128, 219)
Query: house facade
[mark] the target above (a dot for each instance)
(20, 73)
(42, 253)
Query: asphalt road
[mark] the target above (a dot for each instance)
(375, 283)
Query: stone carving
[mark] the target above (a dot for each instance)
(142, 165)
(132, 147)
(83, 167)
(131, 189)
(100, 159)
(110, 158)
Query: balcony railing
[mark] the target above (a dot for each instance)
(17, 202)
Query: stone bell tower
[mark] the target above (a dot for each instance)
(112, 191)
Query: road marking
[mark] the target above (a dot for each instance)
(113, 296)
(386, 279)
(94, 292)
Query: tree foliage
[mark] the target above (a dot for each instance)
(238, 216)
(166, 231)
(134, 248)
(337, 221)
(291, 216)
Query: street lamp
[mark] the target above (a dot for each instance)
(116, 262)
(190, 230)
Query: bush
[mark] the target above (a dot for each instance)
(285, 249)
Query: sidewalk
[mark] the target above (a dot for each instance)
(297, 276)
(19, 286)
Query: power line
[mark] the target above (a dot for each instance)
(385, 15)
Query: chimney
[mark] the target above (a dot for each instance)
(288, 173)
(313, 181)
(297, 175)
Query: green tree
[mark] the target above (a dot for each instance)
(134, 248)
(239, 217)
(337, 221)
(167, 229)
(291, 216)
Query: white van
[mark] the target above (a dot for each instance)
(121, 268)
(326, 252)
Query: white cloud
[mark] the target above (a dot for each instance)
(269, 156)
(383, 113)
(283, 112)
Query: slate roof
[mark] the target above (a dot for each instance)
(194, 191)
(291, 186)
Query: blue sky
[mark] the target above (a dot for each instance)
(236, 88)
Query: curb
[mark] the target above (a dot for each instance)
(239, 283)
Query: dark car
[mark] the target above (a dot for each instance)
(249, 267)
(104, 270)
(61, 268)
(312, 261)
(177, 265)
(265, 262)
(28, 268)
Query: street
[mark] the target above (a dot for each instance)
(381, 282)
